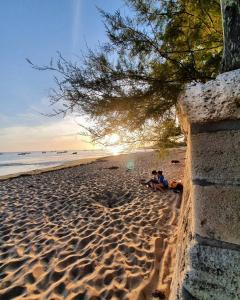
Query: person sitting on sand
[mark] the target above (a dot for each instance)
(155, 176)
(162, 183)
(157, 182)
(160, 177)
(153, 180)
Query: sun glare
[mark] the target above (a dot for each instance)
(114, 146)
(113, 139)
(116, 149)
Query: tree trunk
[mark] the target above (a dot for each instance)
(231, 34)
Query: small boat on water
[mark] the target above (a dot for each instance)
(61, 152)
(44, 152)
(74, 153)
(24, 153)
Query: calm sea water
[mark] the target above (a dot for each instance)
(12, 162)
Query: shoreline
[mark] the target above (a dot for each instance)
(73, 163)
(70, 164)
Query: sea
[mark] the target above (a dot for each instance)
(17, 162)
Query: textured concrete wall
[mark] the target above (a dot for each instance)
(208, 255)
(184, 232)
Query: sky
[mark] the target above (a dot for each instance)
(37, 29)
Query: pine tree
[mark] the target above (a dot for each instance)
(132, 83)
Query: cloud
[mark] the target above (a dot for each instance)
(28, 118)
(35, 115)
(31, 130)
(55, 135)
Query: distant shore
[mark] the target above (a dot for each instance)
(12, 163)
(70, 164)
(89, 228)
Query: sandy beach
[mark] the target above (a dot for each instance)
(90, 231)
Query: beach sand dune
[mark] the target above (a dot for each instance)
(87, 232)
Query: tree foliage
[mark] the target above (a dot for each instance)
(132, 82)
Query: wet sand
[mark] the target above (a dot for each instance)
(90, 231)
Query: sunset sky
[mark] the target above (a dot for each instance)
(37, 29)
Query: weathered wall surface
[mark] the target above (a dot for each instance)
(208, 255)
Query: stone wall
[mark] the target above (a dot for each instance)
(208, 253)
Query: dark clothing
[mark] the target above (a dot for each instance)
(178, 188)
